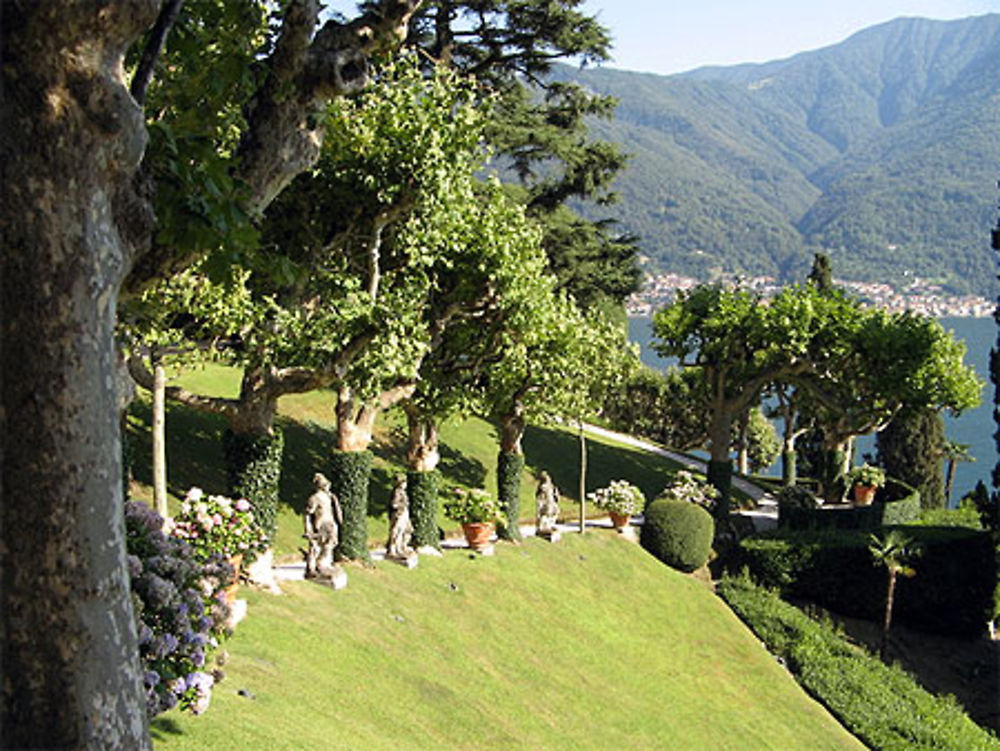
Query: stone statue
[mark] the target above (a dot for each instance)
(547, 502)
(323, 518)
(400, 527)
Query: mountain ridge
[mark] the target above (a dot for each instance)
(881, 151)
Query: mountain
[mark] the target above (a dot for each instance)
(882, 151)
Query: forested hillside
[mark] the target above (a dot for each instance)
(882, 151)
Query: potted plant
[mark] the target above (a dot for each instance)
(620, 499)
(866, 479)
(478, 513)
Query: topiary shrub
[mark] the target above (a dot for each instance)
(678, 533)
(253, 471)
(422, 489)
(350, 475)
(509, 468)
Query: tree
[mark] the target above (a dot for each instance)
(887, 363)
(954, 452)
(74, 221)
(739, 346)
(762, 443)
(540, 125)
(894, 551)
(668, 406)
(911, 448)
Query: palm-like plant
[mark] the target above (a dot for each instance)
(895, 551)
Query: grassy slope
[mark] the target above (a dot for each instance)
(587, 644)
(468, 456)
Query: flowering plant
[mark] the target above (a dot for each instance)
(180, 611)
(474, 506)
(686, 487)
(217, 525)
(620, 497)
(868, 475)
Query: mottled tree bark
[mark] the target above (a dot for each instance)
(71, 138)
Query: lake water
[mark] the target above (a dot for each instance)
(975, 427)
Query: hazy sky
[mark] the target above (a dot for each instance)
(668, 36)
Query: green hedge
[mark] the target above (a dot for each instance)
(952, 592)
(350, 475)
(678, 533)
(882, 705)
(253, 471)
(509, 469)
(896, 503)
(422, 489)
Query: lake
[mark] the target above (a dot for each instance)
(975, 427)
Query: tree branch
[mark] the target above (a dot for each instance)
(151, 52)
(212, 404)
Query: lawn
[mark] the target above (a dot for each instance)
(468, 456)
(585, 644)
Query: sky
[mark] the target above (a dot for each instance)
(670, 36)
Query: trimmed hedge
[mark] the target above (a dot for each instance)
(422, 489)
(952, 592)
(896, 503)
(678, 533)
(350, 474)
(882, 705)
(509, 469)
(253, 471)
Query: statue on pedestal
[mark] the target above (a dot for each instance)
(397, 547)
(323, 518)
(547, 502)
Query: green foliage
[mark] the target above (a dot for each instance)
(880, 704)
(350, 476)
(253, 471)
(668, 406)
(422, 489)
(473, 506)
(897, 504)
(951, 594)
(685, 486)
(763, 443)
(796, 496)
(911, 449)
(678, 533)
(510, 466)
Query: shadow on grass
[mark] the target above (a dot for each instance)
(163, 727)
(558, 453)
(458, 467)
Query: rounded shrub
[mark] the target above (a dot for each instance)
(678, 533)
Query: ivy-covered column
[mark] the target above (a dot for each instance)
(350, 475)
(510, 465)
(253, 471)
(422, 489)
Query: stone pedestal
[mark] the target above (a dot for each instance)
(429, 550)
(553, 535)
(409, 560)
(486, 550)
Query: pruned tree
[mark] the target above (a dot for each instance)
(911, 448)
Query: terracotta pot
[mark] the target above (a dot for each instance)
(236, 561)
(864, 495)
(620, 521)
(477, 534)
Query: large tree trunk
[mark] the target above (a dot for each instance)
(720, 468)
(70, 140)
(422, 453)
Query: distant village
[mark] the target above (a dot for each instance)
(920, 295)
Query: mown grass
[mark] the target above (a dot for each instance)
(468, 456)
(585, 644)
